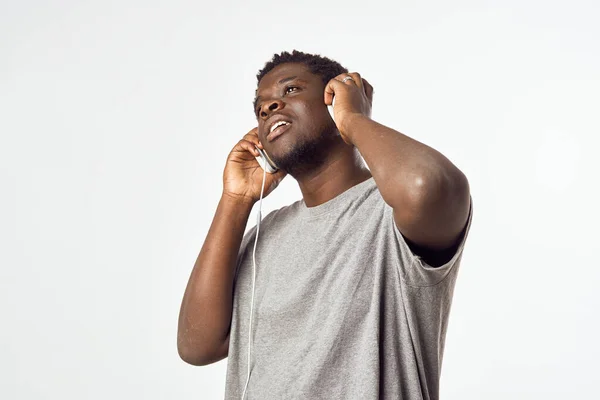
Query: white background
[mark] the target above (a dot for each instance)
(116, 118)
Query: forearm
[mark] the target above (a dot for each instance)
(206, 308)
(404, 169)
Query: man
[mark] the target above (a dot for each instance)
(354, 282)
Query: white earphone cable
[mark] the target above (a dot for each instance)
(254, 270)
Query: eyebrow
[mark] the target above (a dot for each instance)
(282, 81)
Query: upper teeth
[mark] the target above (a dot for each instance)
(276, 124)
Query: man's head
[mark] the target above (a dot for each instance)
(291, 89)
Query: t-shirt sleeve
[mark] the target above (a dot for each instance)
(413, 269)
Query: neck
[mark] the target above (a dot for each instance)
(343, 169)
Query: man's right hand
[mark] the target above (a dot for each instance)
(243, 176)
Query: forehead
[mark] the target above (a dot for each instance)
(284, 71)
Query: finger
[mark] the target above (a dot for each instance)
(352, 81)
(253, 137)
(368, 89)
(249, 146)
(356, 79)
(334, 83)
(340, 78)
(333, 86)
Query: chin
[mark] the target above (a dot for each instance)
(299, 156)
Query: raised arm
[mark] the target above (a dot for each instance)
(206, 308)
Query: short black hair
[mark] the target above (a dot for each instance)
(325, 67)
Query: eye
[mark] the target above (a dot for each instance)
(286, 92)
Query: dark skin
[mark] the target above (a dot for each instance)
(338, 166)
(429, 195)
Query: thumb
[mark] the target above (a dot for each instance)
(330, 91)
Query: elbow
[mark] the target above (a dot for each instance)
(189, 356)
(439, 187)
(194, 356)
(446, 185)
(459, 190)
(189, 352)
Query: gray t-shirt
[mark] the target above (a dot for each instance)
(342, 308)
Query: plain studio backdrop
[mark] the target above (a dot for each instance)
(116, 118)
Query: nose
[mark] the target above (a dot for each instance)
(269, 106)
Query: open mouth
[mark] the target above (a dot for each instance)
(278, 129)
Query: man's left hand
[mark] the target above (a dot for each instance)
(354, 97)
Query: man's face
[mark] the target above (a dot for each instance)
(290, 92)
